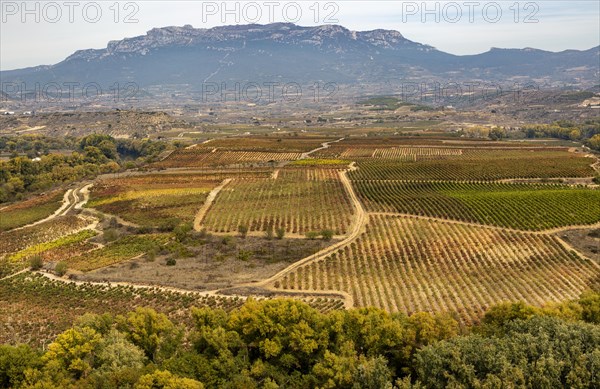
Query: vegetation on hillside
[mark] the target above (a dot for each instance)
(286, 343)
(92, 155)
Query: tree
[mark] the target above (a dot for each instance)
(116, 353)
(74, 350)
(498, 316)
(36, 262)
(61, 269)
(162, 379)
(153, 332)
(14, 361)
(590, 304)
(594, 142)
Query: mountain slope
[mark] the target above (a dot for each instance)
(284, 52)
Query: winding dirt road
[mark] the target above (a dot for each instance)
(358, 226)
(206, 206)
(72, 199)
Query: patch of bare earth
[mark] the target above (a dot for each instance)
(585, 240)
(214, 263)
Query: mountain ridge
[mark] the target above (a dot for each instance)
(285, 52)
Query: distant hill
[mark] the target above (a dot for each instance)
(284, 52)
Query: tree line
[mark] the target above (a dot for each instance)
(89, 156)
(287, 344)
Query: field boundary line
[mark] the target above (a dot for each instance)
(8, 277)
(207, 293)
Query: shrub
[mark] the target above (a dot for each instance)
(182, 231)
(243, 230)
(312, 235)
(110, 235)
(327, 235)
(36, 262)
(280, 232)
(269, 233)
(244, 255)
(171, 262)
(61, 269)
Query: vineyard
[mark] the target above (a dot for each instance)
(266, 144)
(519, 206)
(206, 157)
(29, 211)
(474, 164)
(16, 240)
(298, 201)
(121, 250)
(405, 264)
(361, 147)
(34, 309)
(153, 201)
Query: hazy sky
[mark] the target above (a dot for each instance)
(462, 27)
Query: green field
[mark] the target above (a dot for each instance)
(520, 206)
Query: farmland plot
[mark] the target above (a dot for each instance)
(473, 164)
(299, 201)
(205, 157)
(29, 211)
(405, 264)
(519, 206)
(153, 201)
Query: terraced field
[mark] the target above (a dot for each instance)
(121, 250)
(266, 144)
(16, 246)
(519, 206)
(405, 264)
(298, 200)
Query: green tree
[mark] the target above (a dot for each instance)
(151, 331)
(14, 361)
(74, 350)
(161, 379)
